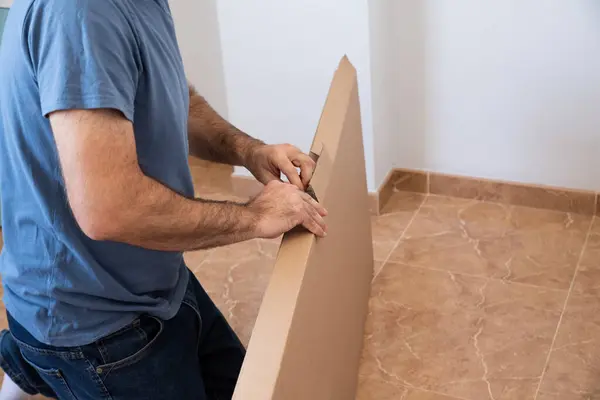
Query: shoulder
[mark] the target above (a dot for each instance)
(79, 11)
(95, 20)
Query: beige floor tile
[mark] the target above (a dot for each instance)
(596, 225)
(587, 281)
(574, 365)
(461, 336)
(382, 389)
(563, 396)
(236, 278)
(403, 202)
(516, 244)
(388, 227)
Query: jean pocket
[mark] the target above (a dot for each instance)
(51, 375)
(128, 345)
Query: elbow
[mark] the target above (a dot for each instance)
(97, 231)
(99, 224)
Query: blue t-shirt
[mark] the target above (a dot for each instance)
(63, 287)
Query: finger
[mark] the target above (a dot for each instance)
(288, 169)
(307, 167)
(313, 227)
(267, 176)
(316, 218)
(315, 204)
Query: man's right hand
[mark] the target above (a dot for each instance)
(282, 206)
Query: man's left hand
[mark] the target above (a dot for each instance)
(268, 162)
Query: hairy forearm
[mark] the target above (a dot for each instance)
(112, 199)
(148, 214)
(212, 138)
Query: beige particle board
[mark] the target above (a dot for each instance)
(308, 336)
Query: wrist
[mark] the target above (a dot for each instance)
(249, 152)
(248, 221)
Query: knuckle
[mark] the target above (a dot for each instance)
(291, 189)
(298, 208)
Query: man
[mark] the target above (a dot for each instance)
(97, 205)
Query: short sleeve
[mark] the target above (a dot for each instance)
(84, 55)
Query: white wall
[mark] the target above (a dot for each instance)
(279, 58)
(513, 91)
(503, 89)
(198, 34)
(397, 31)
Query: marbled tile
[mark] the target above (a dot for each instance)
(236, 278)
(460, 336)
(388, 227)
(235, 252)
(570, 396)
(587, 281)
(401, 202)
(565, 200)
(194, 259)
(386, 190)
(402, 181)
(377, 265)
(375, 388)
(383, 196)
(519, 244)
(464, 187)
(596, 226)
(575, 201)
(374, 204)
(574, 365)
(410, 181)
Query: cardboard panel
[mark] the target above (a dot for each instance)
(308, 336)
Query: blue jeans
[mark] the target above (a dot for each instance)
(195, 355)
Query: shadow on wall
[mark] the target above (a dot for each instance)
(198, 33)
(398, 68)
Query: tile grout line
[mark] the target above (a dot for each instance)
(387, 258)
(562, 314)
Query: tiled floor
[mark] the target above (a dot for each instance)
(470, 300)
(475, 301)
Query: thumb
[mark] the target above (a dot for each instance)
(267, 177)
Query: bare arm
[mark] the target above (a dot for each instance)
(213, 138)
(112, 199)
